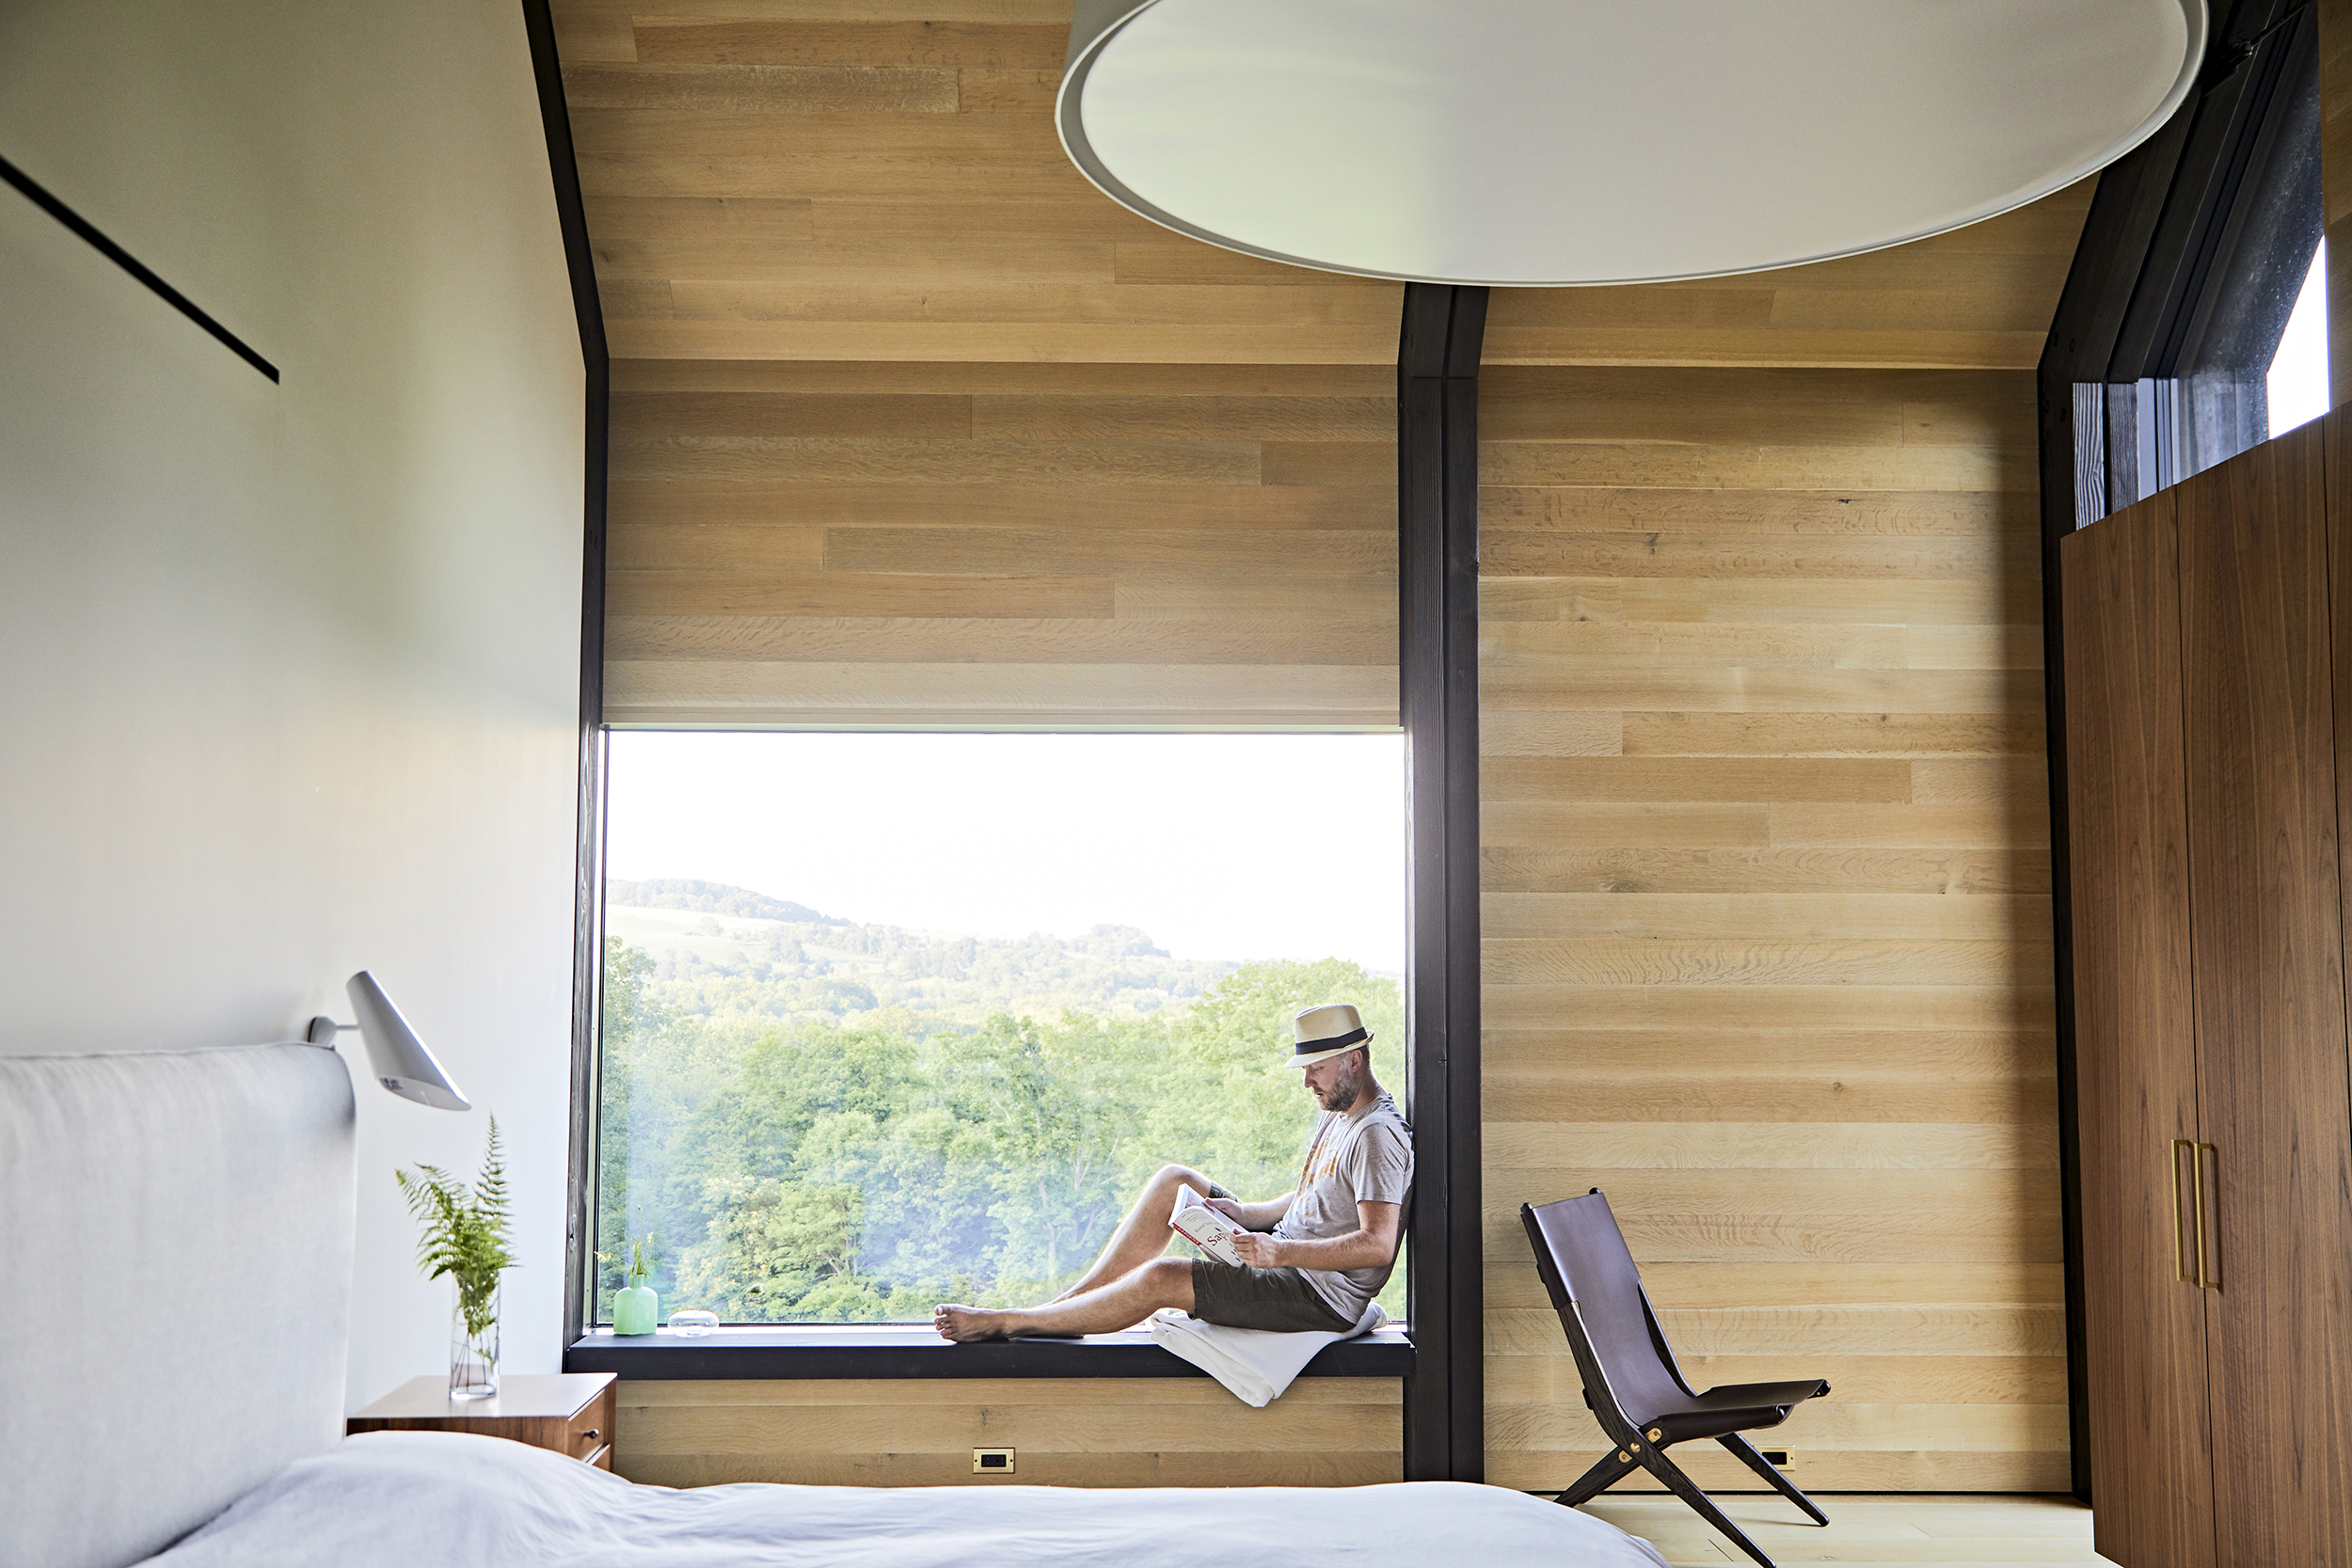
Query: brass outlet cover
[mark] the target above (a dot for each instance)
(1779, 1459)
(991, 1462)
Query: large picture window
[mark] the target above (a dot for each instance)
(896, 1019)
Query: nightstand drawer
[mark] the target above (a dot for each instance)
(590, 1436)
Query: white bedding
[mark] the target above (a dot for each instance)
(413, 1499)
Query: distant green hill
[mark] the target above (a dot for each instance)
(683, 893)
(722, 952)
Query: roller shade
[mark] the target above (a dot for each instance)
(799, 545)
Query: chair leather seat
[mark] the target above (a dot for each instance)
(1753, 1396)
(1733, 1408)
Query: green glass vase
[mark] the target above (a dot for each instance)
(636, 1309)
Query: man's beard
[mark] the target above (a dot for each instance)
(1341, 1095)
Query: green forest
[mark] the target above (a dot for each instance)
(860, 1165)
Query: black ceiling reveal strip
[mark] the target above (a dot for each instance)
(130, 263)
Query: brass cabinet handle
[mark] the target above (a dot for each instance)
(2196, 1223)
(2208, 1218)
(2187, 1244)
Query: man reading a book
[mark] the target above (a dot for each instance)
(1311, 1260)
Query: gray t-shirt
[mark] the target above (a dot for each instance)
(1364, 1155)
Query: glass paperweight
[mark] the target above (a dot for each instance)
(693, 1326)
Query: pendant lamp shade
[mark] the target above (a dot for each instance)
(398, 1058)
(1535, 142)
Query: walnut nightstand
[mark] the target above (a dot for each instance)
(569, 1412)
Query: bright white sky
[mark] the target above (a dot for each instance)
(1219, 845)
(2299, 373)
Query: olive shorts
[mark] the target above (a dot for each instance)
(1276, 1299)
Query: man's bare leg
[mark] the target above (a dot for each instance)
(1143, 1235)
(1122, 1304)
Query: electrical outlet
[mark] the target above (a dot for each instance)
(991, 1462)
(1779, 1459)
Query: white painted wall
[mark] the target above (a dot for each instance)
(291, 671)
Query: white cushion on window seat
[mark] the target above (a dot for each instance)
(1257, 1364)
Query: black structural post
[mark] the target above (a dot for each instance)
(1438, 647)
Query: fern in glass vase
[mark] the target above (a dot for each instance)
(463, 1233)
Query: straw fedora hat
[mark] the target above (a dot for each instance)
(1326, 1031)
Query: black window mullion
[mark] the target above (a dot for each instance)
(1437, 640)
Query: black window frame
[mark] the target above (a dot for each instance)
(2174, 306)
(2192, 256)
(902, 1350)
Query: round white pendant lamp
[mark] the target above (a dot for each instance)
(1606, 141)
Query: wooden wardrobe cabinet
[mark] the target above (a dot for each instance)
(2208, 654)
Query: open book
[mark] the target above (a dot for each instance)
(1203, 1227)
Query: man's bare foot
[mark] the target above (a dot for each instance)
(964, 1324)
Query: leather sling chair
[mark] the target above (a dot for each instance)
(1631, 1381)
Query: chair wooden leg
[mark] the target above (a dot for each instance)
(1745, 1451)
(1600, 1479)
(1704, 1506)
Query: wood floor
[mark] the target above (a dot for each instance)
(1923, 1528)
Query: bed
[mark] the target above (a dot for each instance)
(147, 1201)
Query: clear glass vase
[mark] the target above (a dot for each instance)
(473, 1356)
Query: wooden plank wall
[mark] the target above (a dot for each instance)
(1766, 916)
(880, 180)
(1201, 546)
(914, 426)
(1065, 1431)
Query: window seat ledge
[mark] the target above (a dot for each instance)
(915, 1351)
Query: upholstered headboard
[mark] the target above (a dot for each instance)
(175, 1261)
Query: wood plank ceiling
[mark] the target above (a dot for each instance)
(914, 426)
(858, 180)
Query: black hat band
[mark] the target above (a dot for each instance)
(1308, 1048)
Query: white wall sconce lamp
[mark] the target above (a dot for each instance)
(398, 1059)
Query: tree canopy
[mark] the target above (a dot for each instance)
(817, 1170)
